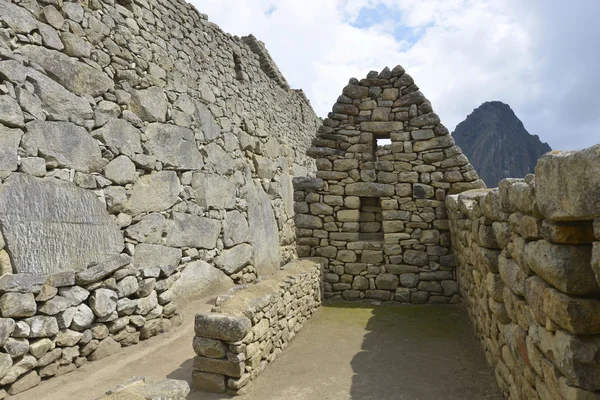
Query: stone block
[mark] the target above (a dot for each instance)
(221, 326)
(579, 316)
(566, 267)
(221, 367)
(369, 189)
(568, 184)
(208, 382)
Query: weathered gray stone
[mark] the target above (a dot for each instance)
(210, 127)
(16, 347)
(149, 104)
(100, 271)
(221, 326)
(567, 184)
(121, 171)
(55, 305)
(75, 294)
(200, 279)
(39, 348)
(186, 230)
(150, 255)
(369, 189)
(149, 388)
(214, 191)
(10, 112)
(234, 259)
(17, 305)
(83, 318)
(23, 283)
(266, 254)
(235, 229)
(76, 76)
(218, 160)
(174, 146)
(210, 348)
(566, 267)
(105, 348)
(103, 302)
(17, 18)
(148, 230)
(308, 184)
(7, 326)
(127, 286)
(42, 327)
(64, 144)
(121, 136)
(224, 367)
(155, 192)
(71, 236)
(5, 364)
(68, 338)
(386, 281)
(147, 304)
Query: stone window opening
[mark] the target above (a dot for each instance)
(382, 146)
(370, 220)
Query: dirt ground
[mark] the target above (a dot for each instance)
(346, 351)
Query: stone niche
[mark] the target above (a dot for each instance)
(376, 207)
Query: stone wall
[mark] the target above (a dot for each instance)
(528, 257)
(138, 130)
(376, 210)
(251, 326)
(53, 324)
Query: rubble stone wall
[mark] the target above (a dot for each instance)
(528, 265)
(376, 211)
(133, 130)
(251, 326)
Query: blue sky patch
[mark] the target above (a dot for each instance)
(375, 15)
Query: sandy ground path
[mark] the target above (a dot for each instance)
(346, 351)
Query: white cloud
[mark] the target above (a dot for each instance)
(539, 57)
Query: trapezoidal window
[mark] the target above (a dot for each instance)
(382, 147)
(371, 229)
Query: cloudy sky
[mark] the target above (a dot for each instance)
(541, 57)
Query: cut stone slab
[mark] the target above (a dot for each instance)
(577, 315)
(200, 279)
(233, 260)
(120, 135)
(266, 253)
(17, 18)
(221, 326)
(10, 112)
(67, 226)
(568, 184)
(100, 271)
(77, 77)
(149, 104)
(566, 267)
(214, 191)
(152, 255)
(9, 144)
(174, 146)
(224, 367)
(65, 144)
(148, 388)
(207, 382)
(186, 230)
(155, 192)
(235, 229)
(369, 189)
(121, 170)
(210, 127)
(17, 305)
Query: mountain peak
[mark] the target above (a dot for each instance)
(497, 143)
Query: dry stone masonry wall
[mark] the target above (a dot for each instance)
(528, 257)
(251, 326)
(133, 130)
(376, 211)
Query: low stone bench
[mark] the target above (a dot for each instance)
(250, 327)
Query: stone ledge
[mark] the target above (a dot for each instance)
(251, 325)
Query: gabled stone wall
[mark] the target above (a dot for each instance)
(528, 265)
(376, 211)
(137, 130)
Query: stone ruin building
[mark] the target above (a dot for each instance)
(376, 211)
(148, 159)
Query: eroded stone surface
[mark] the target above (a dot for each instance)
(65, 226)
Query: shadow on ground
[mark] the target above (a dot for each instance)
(420, 352)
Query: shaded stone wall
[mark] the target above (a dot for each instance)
(528, 256)
(376, 211)
(135, 130)
(250, 327)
